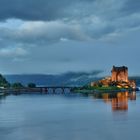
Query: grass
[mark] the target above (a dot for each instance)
(89, 89)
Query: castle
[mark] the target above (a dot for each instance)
(119, 74)
(118, 78)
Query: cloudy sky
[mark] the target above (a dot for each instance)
(56, 36)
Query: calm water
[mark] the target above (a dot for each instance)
(70, 117)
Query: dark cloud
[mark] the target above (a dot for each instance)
(70, 19)
(131, 6)
(36, 9)
(53, 35)
(53, 10)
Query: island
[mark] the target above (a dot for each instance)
(118, 81)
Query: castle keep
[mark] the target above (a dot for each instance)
(118, 78)
(119, 74)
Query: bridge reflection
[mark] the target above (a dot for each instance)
(118, 101)
(47, 90)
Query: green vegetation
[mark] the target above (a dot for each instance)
(91, 89)
(17, 85)
(104, 88)
(3, 82)
(31, 85)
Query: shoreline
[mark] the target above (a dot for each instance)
(103, 91)
(72, 90)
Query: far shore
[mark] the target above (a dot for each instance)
(103, 91)
(72, 90)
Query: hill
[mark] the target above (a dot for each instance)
(55, 80)
(70, 78)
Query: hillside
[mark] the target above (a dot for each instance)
(70, 79)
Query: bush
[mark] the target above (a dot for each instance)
(17, 85)
(31, 85)
(4, 82)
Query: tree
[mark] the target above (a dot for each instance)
(17, 85)
(31, 85)
(4, 82)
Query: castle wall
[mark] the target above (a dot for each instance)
(119, 74)
(114, 77)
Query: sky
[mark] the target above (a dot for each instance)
(58, 36)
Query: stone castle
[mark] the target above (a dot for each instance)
(119, 78)
(119, 74)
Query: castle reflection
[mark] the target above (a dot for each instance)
(119, 100)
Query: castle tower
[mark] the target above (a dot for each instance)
(119, 74)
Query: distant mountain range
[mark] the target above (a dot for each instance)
(70, 78)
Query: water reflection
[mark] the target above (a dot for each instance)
(119, 100)
(2, 95)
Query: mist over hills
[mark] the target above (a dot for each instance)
(70, 78)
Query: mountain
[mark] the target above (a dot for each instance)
(70, 78)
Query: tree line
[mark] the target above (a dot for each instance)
(5, 84)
